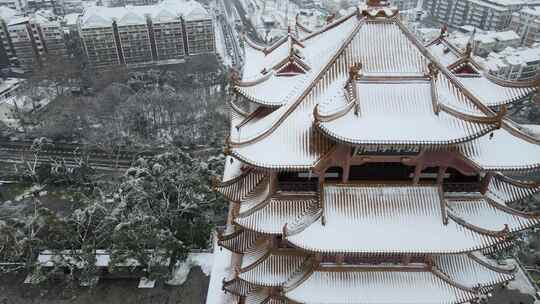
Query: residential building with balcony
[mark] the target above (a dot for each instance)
(526, 23)
(27, 41)
(494, 15)
(145, 35)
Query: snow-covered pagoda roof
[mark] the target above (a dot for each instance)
(364, 80)
(389, 218)
(491, 152)
(285, 275)
(488, 88)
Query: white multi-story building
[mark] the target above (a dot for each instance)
(19, 5)
(526, 23)
(514, 63)
(28, 41)
(494, 15)
(486, 42)
(404, 5)
(117, 3)
(143, 35)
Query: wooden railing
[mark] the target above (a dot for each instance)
(462, 187)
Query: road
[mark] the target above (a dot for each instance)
(72, 154)
(248, 26)
(230, 36)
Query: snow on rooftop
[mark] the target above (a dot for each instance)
(168, 10)
(7, 13)
(71, 19)
(220, 270)
(531, 11)
(507, 35)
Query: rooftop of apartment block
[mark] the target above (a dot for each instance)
(166, 11)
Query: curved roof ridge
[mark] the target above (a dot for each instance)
(340, 112)
(256, 262)
(288, 38)
(301, 224)
(275, 269)
(330, 26)
(471, 271)
(216, 183)
(503, 233)
(253, 82)
(257, 206)
(474, 256)
(237, 286)
(514, 128)
(239, 187)
(464, 58)
(511, 83)
(237, 109)
(300, 26)
(306, 91)
(299, 277)
(443, 69)
(239, 240)
(443, 276)
(534, 215)
(516, 182)
(270, 216)
(473, 118)
(254, 254)
(254, 45)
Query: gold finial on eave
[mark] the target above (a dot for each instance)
(227, 147)
(444, 30)
(537, 87)
(354, 71)
(433, 70)
(330, 18)
(234, 76)
(501, 115)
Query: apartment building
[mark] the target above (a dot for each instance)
(117, 3)
(485, 42)
(404, 5)
(143, 35)
(492, 15)
(7, 55)
(526, 23)
(54, 6)
(28, 41)
(514, 63)
(18, 5)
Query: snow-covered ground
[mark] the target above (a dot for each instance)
(220, 270)
(9, 105)
(221, 47)
(204, 260)
(521, 282)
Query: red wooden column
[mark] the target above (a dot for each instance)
(440, 175)
(486, 180)
(346, 166)
(417, 171)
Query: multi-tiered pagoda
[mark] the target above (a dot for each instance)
(366, 167)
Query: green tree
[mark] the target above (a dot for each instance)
(165, 209)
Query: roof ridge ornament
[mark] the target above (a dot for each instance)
(433, 70)
(444, 31)
(469, 49)
(234, 76)
(355, 72)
